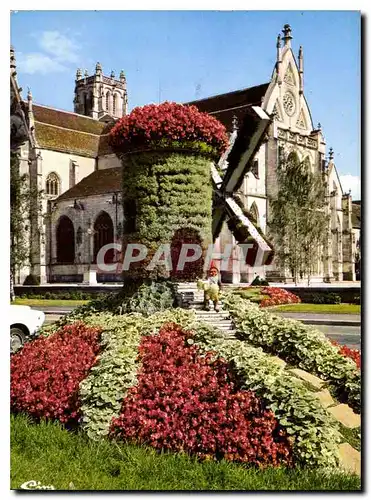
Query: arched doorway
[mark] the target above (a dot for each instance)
(103, 234)
(65, 241)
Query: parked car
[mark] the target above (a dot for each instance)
(24, 325)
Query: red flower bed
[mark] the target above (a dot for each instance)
(278, 296)
(347, 352)
(46, 374)
(165, 123)
(192, 403)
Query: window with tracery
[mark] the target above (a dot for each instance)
(114, 102)
(107, 101)
(52, 184)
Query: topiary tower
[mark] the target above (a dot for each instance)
(166, 152)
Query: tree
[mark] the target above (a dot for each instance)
(25, 203)
(298, 220)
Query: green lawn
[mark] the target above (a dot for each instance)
(49, 302)
(319, 308)
(51, 455)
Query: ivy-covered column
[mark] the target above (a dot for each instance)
(166, 152)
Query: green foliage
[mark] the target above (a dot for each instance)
(48, 453)
(171, 191)
(299, 221)
(324, 298)
(300, 345)
(19, 215)
(115, 372)
(151, 298)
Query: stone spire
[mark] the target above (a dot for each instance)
(78, 74)
(112, 74)
(279, 59)
(122, 76)
(301, 70)
(331, 154)
(98, 69)
(287, 35)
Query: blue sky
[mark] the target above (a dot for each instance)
(187, 55)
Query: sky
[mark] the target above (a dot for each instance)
(187, 55)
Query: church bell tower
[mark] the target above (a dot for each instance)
(100, 97)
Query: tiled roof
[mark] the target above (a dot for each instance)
(356, 215)
(225, 106)
(108, 180)
(64, 119)
(71, 133)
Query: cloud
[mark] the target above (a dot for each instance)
(57, 51)
(352, 182)
(59, 46)
(38, 63)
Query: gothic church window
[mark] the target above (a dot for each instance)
(107, 101)
(103, 235)
(65, 241)
(255, 168)
(52, 184)
(254, 213)
(114, 103)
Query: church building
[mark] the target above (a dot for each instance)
(68, 158)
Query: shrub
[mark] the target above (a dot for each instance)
(45, 375)
(346, 351)
(298, 344)
(150, 298)
(278, 296)
(185, 402)
(324, 298)
(164, 124)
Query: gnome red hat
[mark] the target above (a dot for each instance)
(213, 266)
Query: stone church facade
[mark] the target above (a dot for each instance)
(68, 158)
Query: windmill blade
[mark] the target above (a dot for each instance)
(245, 147)
(227, 206)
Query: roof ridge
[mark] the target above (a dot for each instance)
(64, 111)
(227, 93)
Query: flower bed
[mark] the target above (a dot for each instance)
(46, 374)
(278, 296)
(268, 296)
(169, 125)
(187, 402)
(347, 352)
(313, 432)
(298, 344)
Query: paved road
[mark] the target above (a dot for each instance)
(347, 335)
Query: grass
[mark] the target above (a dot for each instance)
(319, 308)
(49, 302)
(47, 453)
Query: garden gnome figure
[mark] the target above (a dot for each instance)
(213, 289)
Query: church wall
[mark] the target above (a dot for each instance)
(93, 206)
(53, 161)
